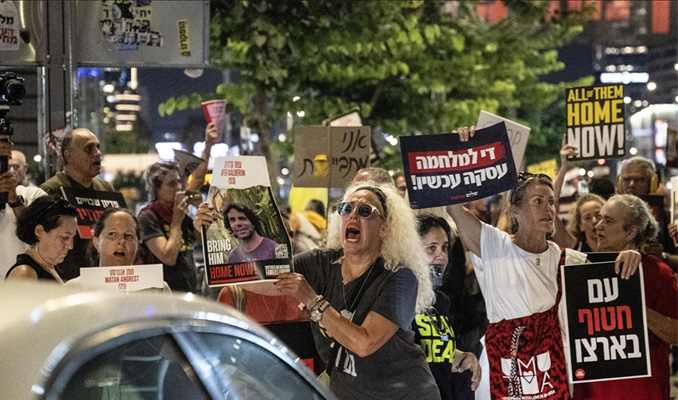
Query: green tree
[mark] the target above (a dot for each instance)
(410, 66)
(127, 142)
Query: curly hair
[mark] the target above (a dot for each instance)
(575, 213)
(46, 211)
(92, 252)
(248, 213)
(401, 248)
(155, 175)
(637, 214)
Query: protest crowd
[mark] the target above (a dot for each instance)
(404, 299)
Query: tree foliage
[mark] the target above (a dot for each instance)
(410, 66)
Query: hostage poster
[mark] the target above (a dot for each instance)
(606, 326)
(595, 121)
(441, 170)
(248, 242)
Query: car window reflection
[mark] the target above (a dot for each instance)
(150, 368)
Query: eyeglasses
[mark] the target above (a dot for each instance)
(524, 176)
(364, 210)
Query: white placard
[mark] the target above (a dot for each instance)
(128, 278)
(240, 172)
(9, 26)
(518, 134)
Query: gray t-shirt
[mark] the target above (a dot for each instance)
(397, 370)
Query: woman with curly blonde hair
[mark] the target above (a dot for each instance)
(362, 294)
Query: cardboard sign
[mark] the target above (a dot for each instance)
(128, 278)
(10, 39)
(248, 242)
(548, 167)
(518, 135)
(187, 162)
(329, 156)
(90, 205)
(606, 323)
(441, 170)
(595, 121)
(215, 112)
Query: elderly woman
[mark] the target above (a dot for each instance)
(519, 277)
(362, 294)
(433, 330)
(626, 222)
(48, 226)
(167, 232)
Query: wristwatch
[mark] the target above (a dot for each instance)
(20, 201)
(317, 313)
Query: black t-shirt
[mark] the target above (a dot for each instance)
(433, 332)
(181, 276)
(25, 259)
(397, 370)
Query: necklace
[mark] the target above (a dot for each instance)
(348, 312)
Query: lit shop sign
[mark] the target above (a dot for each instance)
(624, 77)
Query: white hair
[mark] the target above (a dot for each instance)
(401, 248)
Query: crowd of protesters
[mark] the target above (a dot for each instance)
(437, 303)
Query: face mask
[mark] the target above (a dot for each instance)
(436, 275)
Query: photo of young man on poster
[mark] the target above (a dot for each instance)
(244, 225)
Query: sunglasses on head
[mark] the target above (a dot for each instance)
(524, 176)
(59, 202)
(363, 210)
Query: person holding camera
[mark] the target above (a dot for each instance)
(18, 198)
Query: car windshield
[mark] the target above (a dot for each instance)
(158, 367)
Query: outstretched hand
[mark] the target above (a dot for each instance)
(296, 285)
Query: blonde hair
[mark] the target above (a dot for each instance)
(401, 248)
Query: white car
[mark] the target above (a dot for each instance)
(56, 343)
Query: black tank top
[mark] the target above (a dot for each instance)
(25, 259)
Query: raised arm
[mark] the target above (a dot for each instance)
(469, 225)
(198, 175)
(561, 235)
